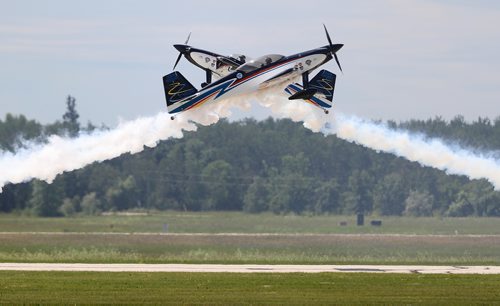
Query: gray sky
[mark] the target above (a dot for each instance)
(402, 58)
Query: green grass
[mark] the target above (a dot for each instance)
(273, 249)
(236, 222)
(258, 288)
(21, 242)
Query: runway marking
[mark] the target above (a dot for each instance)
(220, 268)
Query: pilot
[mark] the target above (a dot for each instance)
(268, 61)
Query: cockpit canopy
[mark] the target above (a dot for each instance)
(260, 62)
(240, 57)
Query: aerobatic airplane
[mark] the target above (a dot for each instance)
(237, 74)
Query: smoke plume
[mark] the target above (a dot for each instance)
(377, 136)
(46, 161)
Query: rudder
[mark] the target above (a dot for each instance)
(177, 88)
(319, 90)
(324, 84)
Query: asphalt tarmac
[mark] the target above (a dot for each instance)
(249, 268)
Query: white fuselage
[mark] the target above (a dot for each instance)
(251, 81)
(277, 75)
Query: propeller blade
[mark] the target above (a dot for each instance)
(183, 48)
(331, 48)
(328, 37)
(187, 40)
(338, 63)
(177, 61)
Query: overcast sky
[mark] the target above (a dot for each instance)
(402, 58)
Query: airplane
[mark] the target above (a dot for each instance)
(236, 74)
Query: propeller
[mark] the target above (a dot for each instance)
(180, 53)
(332, 49)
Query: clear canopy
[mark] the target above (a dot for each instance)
(240, 57)
(260, 62)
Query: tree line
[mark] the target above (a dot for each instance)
(256, 166)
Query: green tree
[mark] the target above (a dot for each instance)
(15, 197)
(123, 195)
(491, 204)
(474, 194)
(196, 156)
(219, 187)
(419, 204)
(14, 130)
(70, 117)
(295, 170)
(90, 204)
(55, 128)
(169, 188)
(460, 208)
(389, 195)
(291, 189)
(257, 196)
(46, 199)
(296, 164)
(69, 206)
(101, 177)
(358, 198)
(327, 197)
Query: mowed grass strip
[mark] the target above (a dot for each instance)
(259, 249)
(254, 288)
(237, 222)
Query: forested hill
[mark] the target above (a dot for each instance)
(255, 166)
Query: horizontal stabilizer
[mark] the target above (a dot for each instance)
(319, 90)
(304, 94)
(177, 88)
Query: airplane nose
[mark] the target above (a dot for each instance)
(337, 47)
(182, 48)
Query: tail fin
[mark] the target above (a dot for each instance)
(177, 88)
(319, 91)
(324, 83)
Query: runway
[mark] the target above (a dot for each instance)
(220, 268)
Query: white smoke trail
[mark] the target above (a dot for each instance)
(46, 161)
(377, 136)
(434, 152)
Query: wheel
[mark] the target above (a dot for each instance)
(172, 118)
(326, 111)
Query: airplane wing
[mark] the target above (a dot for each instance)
(220, 65)
(227, 64)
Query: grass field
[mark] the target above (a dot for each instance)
(270, 249)
(227, 288)
(236, 222)
(296, 239)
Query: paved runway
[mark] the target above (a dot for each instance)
(249, 268)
